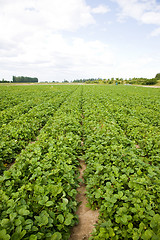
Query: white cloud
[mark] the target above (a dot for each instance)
(100, 9)
(31, 34)
(54, 56)
(151, 18)
(38, 38)
(155, 32)
(33, 39)
(55, 15)
(145, 11)
(144, 66)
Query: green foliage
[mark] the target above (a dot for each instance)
(24, 123)
(157, 76)
(143, 81)
(151, 81)
(38, 193)
(122, 180)
(120, 131)
(24, 79)
(4, 81)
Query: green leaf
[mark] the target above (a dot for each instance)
(12, 216)
(28, 227)
(23, 211)
(111, 232)
(68, 219)
(7, 174)
(135, 236)
(141, 227)
(139, 172)
(56, 236)
(43, 200)
(18, 229)
(130, 225)
(60, 218)
(4, 235)
(155, 222)
(18, 222)
(5, 222)
(34, 229)
(63, 205)
(65, 201)
(98, 193)
(52, 214)
(124, 219)
(42, 219)
(28, 221)
(49, 203)
(18, 235)
(147, 234)
(107, 224)
(33, 237)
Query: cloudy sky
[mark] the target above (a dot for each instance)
(72, 39)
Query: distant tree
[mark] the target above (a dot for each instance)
(4, 81)
(157, 76)
(151, 81)
(143, 81)
(22, 79)
(65, 81)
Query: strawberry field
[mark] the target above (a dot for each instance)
(46, 130)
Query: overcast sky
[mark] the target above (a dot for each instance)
(72, 39)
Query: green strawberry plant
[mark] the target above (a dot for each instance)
(19, 132)
(38, 192)
(115, 130)
(120, 182)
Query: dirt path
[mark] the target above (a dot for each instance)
(153, 86)
(87, 217)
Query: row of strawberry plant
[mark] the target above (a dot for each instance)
(147, 98)
(145, 137)
(38, 192)
(13, 95)
(142, 104)
(124, 187)
(18, 133)
(16, 111)
(145, 134)
(30, 96)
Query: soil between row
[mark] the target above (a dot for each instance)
(87, 217)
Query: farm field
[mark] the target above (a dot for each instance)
(44, 133)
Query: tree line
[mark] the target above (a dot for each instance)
(22, 79)
(138, 81)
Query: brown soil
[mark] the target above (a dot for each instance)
(153, 86)
(87, 217)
